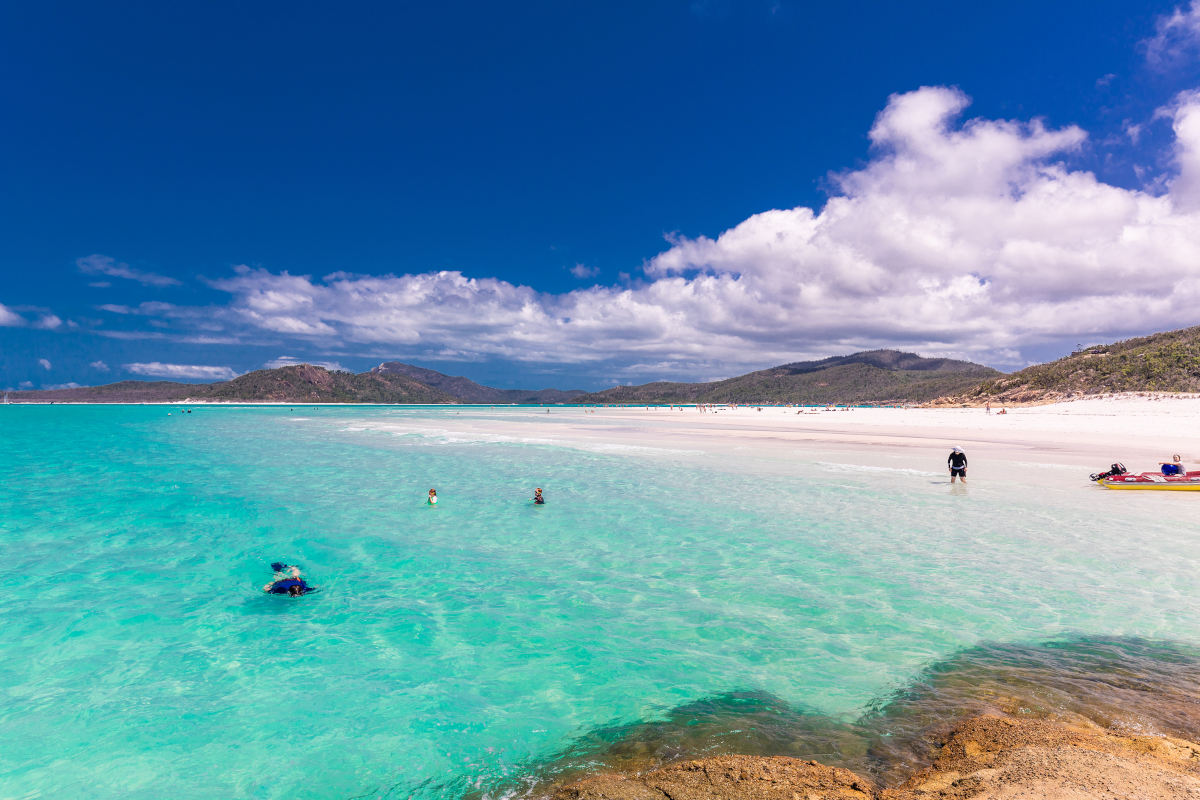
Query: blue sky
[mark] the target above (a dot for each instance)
(580, 194)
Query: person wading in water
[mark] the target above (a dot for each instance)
(957, 462)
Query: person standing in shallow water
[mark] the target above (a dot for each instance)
(957, 462)
(433, 497)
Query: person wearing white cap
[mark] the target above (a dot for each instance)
(957, 462)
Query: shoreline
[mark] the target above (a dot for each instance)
(1086, 435)
(941, 403)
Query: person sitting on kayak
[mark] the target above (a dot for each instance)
(958, 465)
(538, 498)
(1172, 467)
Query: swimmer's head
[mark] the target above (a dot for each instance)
(295, 591)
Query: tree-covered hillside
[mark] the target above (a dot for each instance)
(304, 383)
(1162, 362)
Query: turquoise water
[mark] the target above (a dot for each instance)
(453, 649)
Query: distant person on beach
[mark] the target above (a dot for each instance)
(957, 462)
(538, 498)
(1172, 467)
(433, 497)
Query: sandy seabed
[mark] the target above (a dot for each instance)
(983, 757)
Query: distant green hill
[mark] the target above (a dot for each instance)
(1162, 362)
(300, 383)
(304, 383)
(390, 382)
(121, 392)
(875, 376)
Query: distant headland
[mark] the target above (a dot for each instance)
(1162, 362)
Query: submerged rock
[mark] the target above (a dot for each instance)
(987, 757)
(726, 778)
(992, 757)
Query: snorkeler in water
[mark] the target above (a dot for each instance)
(538, 498)
(287, 581)
(433, 497)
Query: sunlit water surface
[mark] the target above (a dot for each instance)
(663, 602)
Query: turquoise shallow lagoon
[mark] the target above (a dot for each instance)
(453, 650)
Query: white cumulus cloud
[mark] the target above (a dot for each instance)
(45, 363)
(9, 319)
(159, 370)
(970, 238)
(1185, 113)
(97, 264)
(584, 271)
(100, 365)
(1176, 35)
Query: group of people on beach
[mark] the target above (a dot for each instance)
(288, 580)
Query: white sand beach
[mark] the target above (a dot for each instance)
(1086, 435)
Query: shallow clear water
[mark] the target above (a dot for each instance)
(460, 648)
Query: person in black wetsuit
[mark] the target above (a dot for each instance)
(957, 462)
